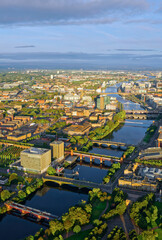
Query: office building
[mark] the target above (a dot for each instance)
(57, 148)
(102, 101)
(35, 159)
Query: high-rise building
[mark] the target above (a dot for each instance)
(35, 159)
(102, 101)
(57, 148)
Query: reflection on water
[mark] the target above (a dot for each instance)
(92, 174)
(50, 199)
(107, 151)
(131, 133)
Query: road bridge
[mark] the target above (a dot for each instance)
(77, 183)
(25, 210)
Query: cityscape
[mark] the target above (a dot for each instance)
(80, 120)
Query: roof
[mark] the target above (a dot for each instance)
(36, 151)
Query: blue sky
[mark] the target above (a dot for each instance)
(113, 27)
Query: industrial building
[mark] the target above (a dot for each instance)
(35, 159)
(57, 148)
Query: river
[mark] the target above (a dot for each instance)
(51, 199)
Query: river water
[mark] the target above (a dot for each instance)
(51, 199)
(56, 200)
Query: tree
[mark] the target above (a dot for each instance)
(97, 222)
(77, 229)
(13, 177)
(21, 194)
(68, 224)
(51, 171)
(121, 207)
(56, 226)
(88, 208)
(30, 237)
(5, 194)
(148, 235)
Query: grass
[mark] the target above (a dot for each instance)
(159, 231)
(80, 236)
(98, 208)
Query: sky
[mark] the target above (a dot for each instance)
(116, 31)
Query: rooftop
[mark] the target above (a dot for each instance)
(36, 151)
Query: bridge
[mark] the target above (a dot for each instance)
(25, 210)
(93, 156)
(141, 114)
(109, 143)
(118, 93)
(143, 111)
(77, 183)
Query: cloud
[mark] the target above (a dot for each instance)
(68, 11)
(26, 46)
(134, 50)
(75, 56)
(146, 20)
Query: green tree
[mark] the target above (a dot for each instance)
(148, 235)
(13, 177)
(56, 226)
(77, 229)
(88, 208)
(68, 224)
(51, 171)
(5, 194)
(121, 207)
(21, 194)
(30, 237)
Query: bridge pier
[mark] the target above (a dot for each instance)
(72, 152)
(121, 160)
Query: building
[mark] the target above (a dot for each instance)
(78, 129)
(102, 101)
(72, 97)
(18, 136)
(35, 159)
(57, 148)
(138, 183)
(159, 140)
